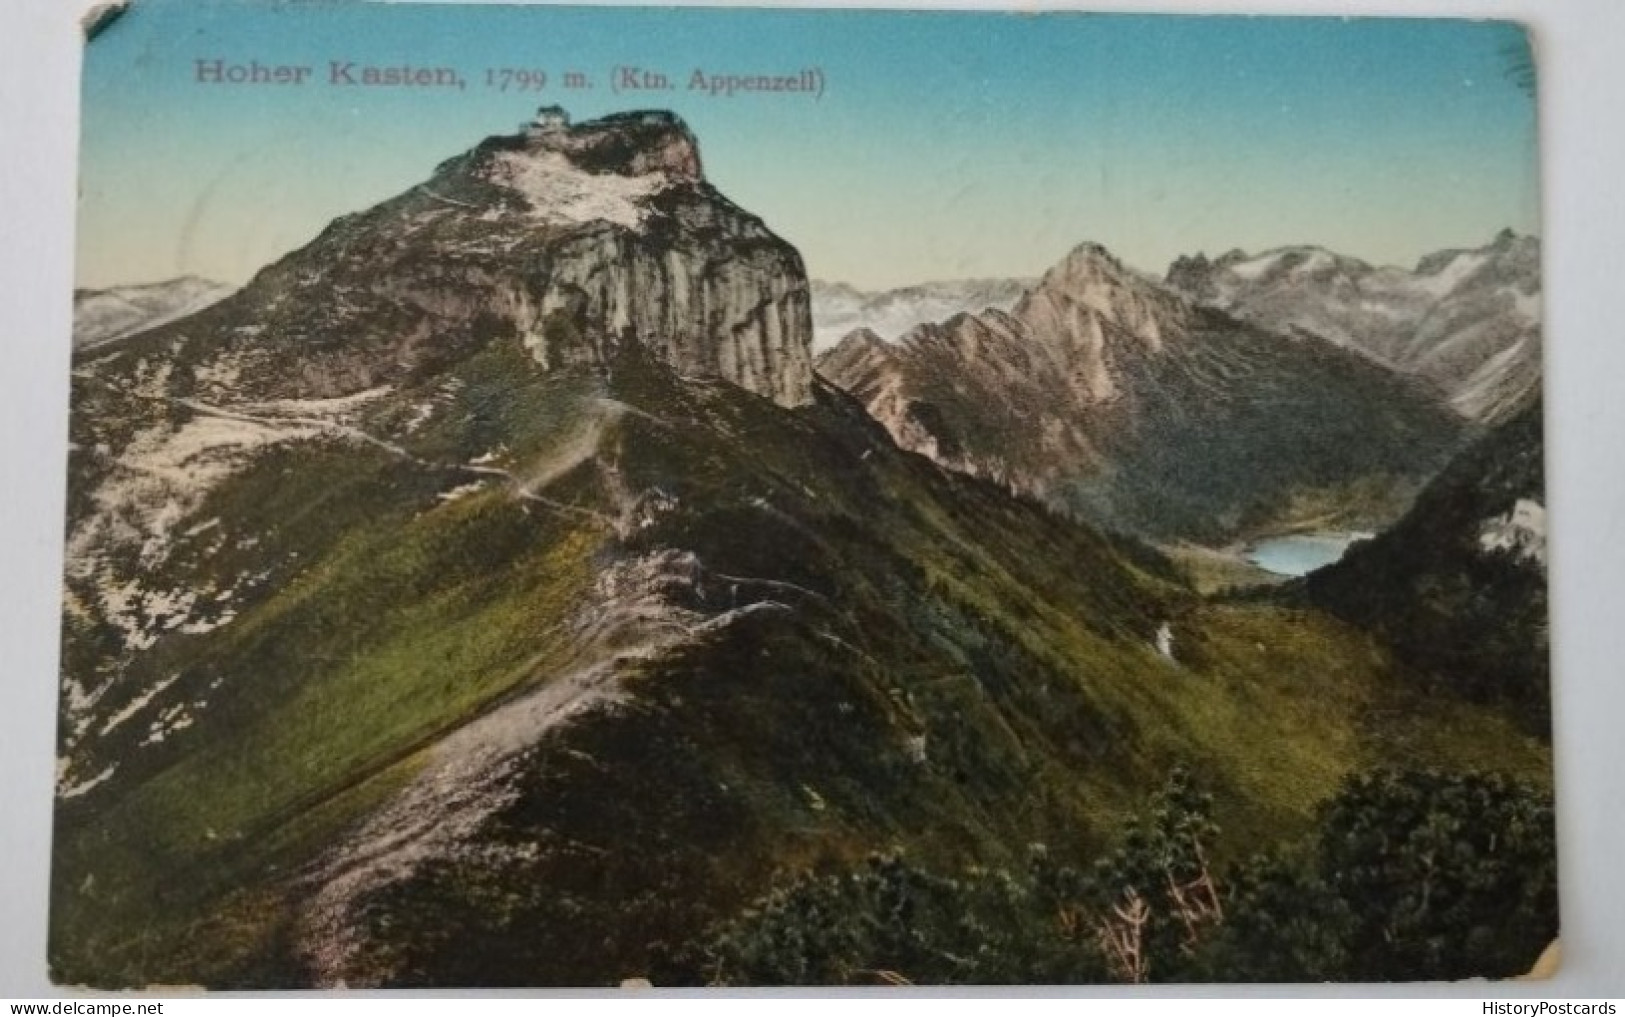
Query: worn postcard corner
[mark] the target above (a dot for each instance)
(101, 16)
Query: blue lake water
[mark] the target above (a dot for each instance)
(1300, 553)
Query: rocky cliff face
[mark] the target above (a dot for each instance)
(1089, 297)
(582, 242)
(1109, 394)
(1467, 320)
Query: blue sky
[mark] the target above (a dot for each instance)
(945, 144)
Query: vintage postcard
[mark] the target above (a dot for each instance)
(571, 496)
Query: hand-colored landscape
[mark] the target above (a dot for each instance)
(538, 577)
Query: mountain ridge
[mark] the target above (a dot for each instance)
(1113, 396)
(111, 313)
(489, 594)
(838, 307)
(634, 673)
(707, 283)
(1467, 319)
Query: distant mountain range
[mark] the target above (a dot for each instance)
(101, 316)
(1466, 320)
(839, 309)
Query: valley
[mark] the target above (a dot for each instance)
(504, 589)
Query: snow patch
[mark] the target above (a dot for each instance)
(1256, 268)
(203, 527)
(75, 790)
(176, 718)
(78, 702)
(1521, 531)
(420, 416)
(136, 705)
(560, 192)
(163, 476)
(1526, 306)
(141, 615)
(1453, 274)
(197, 627)
(461, 491)
(914, 747)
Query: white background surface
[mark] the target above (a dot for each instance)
(1580, 47)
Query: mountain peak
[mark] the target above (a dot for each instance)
(1089, 261)
(568, 174)
(1089, 269)
(1506, 248)
(1090, 278)
(631, 144)
(860, 354)
(578, 241)
(103, 315)
(1192, 274)
(838, 308)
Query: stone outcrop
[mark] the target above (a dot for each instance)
(579, 241)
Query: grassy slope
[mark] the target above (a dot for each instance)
(1472, 621)
(1211, 570)
(1017, 645)
(405, 618)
